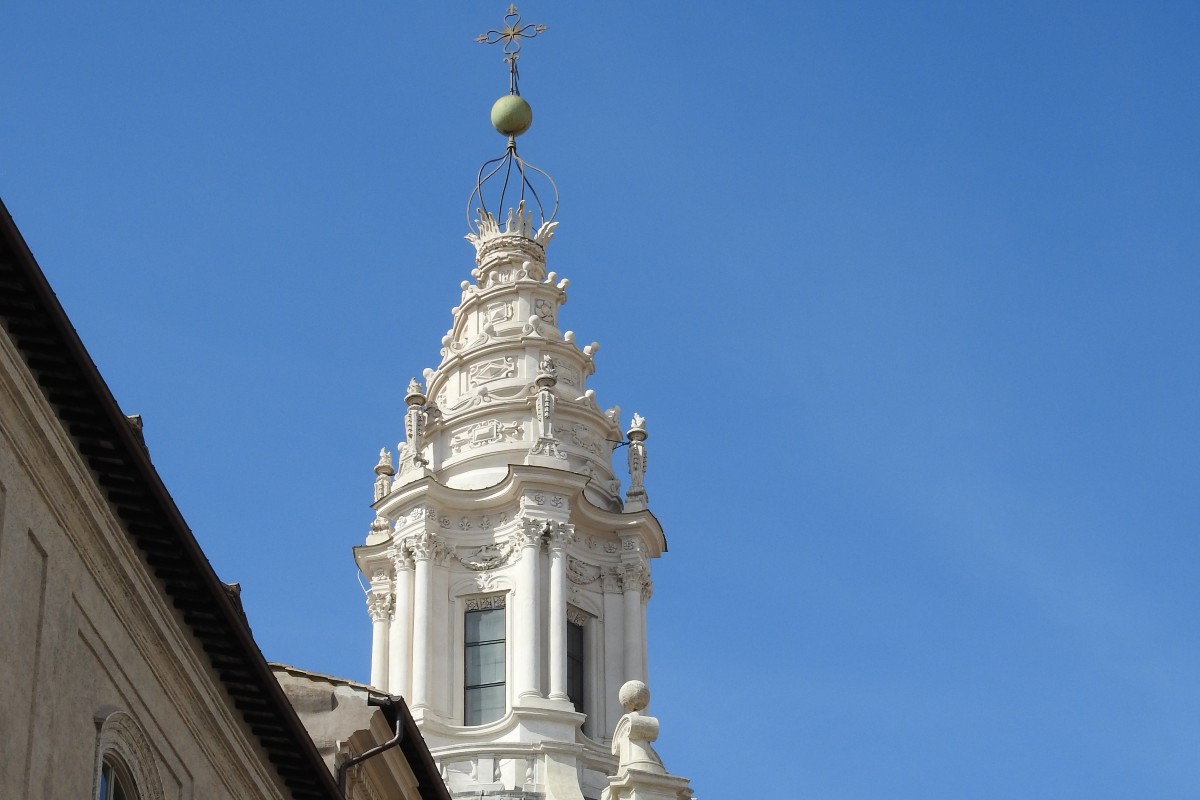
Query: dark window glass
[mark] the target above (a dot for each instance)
(575, 665)
(484, 666)
(111, 785)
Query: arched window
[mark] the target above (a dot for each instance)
(126, 767)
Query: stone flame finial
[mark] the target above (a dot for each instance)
(412, 462)
(383, 472)
(636, 498)
(415, 394)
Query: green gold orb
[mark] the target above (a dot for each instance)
(511, 115)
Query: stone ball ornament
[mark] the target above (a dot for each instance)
(634, 696)
(511, 115)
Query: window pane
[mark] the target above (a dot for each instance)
(483, 667)
(485, 704)
(111, 786)
(485, 664)
(575, 665)
(484, 626)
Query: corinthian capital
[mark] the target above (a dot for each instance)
(610, 581)
(634, 575)
(379, 604)
(559, 534)
(530, 531)
(425, 546)
(400, 556)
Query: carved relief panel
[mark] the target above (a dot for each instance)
(580, 435)
(494, 369)
(491, 431)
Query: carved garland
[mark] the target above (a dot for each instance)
(488, 557)
(581, 572)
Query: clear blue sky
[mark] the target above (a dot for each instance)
(907, 293)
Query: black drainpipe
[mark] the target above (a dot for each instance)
(387, 703)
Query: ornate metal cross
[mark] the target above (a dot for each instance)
(511, 35)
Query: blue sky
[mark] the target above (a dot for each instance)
(907, 293)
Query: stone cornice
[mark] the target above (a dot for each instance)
(520, 479)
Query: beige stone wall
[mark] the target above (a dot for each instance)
(86, 634)
(336, 715)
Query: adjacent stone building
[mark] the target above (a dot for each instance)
(127, 669)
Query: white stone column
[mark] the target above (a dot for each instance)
(424, 546)
(613, 652)
(527, 647)
(559, 537)
(632, 580)
(400, 636)
(379, 606)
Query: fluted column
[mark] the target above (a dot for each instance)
(559, 536)
(527, 647)
(424, 547)
(379, 606)
(400, 636)
(632, 581)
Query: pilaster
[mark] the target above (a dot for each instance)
(558, 536)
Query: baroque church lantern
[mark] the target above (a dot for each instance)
(508, 574)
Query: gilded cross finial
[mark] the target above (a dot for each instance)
(511, 35)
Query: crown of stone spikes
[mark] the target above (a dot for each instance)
(518, 224)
